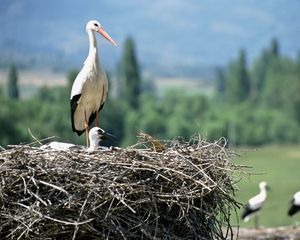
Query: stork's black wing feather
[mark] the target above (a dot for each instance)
(248, 211)
(100, 108)
(293, 209)
(73, 104)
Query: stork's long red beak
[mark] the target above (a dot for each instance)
(105, 34)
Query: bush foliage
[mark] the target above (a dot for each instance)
(253, 104)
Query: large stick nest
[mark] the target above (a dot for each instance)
(183, 191)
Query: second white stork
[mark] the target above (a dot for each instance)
(255, 204)
(90, 88)
(295, 204)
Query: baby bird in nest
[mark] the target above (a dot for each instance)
(153, 142)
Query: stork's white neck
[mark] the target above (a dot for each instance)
(94, 144)
(93, 51)
(263, 192)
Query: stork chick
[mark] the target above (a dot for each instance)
(96, 135)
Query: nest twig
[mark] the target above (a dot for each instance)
(184, 191)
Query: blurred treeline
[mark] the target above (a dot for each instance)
(254, 103)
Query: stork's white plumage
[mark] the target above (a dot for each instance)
(90, 88)
(96, 135)
(295, 204)
(254, 205)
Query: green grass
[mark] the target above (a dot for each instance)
(280, 167)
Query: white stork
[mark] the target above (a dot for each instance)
(254, 205)
(295, 204)
(96, 135)
(90, 88)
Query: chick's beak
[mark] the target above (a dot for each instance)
(105, 135)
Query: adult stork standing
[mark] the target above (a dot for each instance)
(295, 204)
(255, 204)
(90, 88)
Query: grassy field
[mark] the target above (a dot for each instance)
(280, 167)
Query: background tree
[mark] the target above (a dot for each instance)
(274, 48)
(12, 83)
(258, 73)
(260, 67)
(220, 83)
(238, 88)
(131, 74)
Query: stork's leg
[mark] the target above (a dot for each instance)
(97, 119)
(256, 221)
(295, 223)
(86, 126)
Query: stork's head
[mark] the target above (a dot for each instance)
(95, 26)
(264, 185)
(97, 134)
